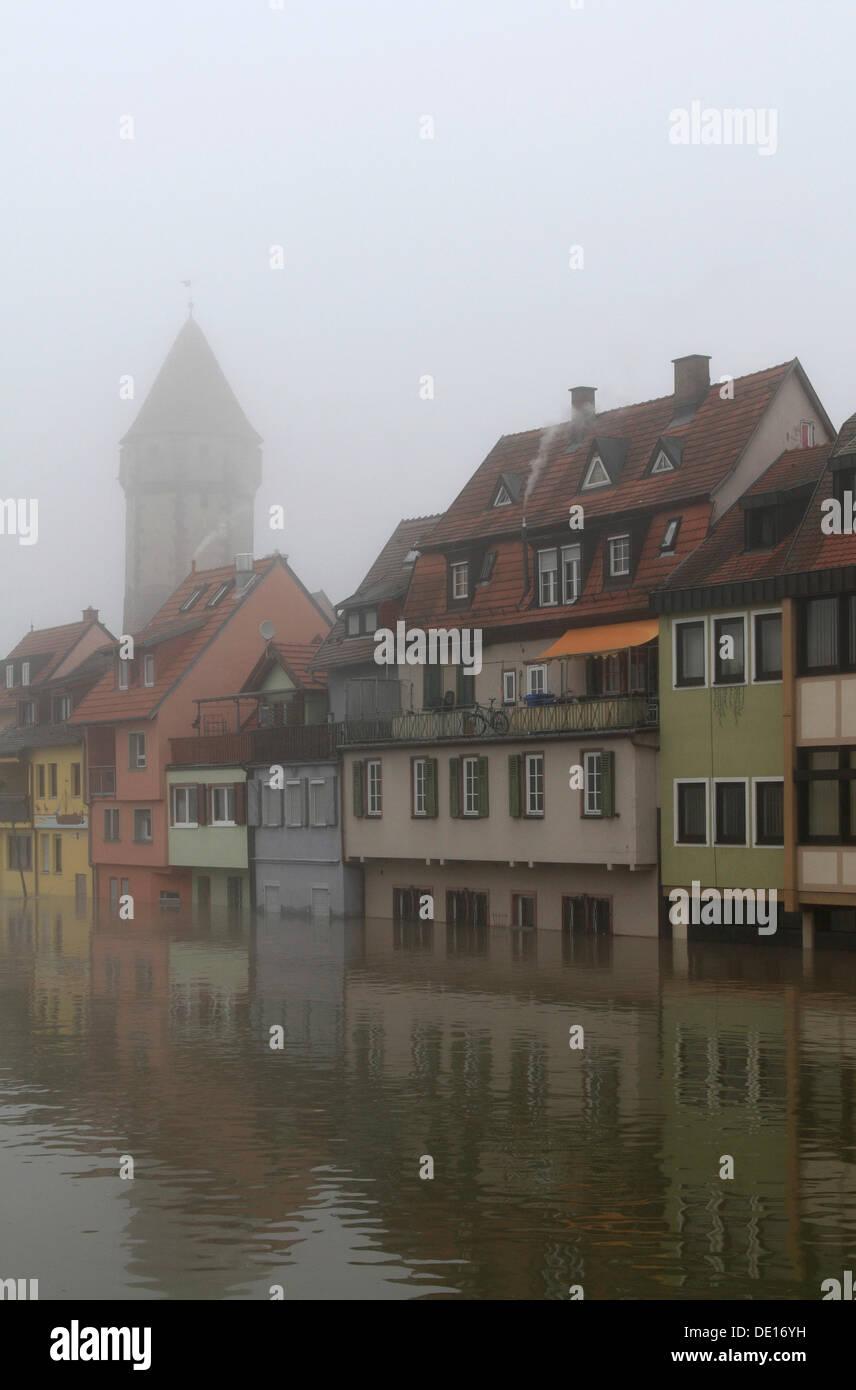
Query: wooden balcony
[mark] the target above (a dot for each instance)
(15, 810)
(279, 743)
(619, 713)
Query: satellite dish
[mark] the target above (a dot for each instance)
(267, 630)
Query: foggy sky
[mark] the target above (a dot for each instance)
(404, 257)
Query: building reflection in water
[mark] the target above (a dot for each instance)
(300, 1166)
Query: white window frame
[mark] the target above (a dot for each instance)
(352, 625)
(693, 844)
(531, 759)
(682, 622)
(64, 704)
(571, 553)
(229, 797)
(25, 673)
(317, 802)
(509, 687)
(186, 822)
(470, 786)
(420, 786)
(502, 498)
(456, 568)
(536, 666)
(10, 674)
(663, 457)
(612, 541)
(192, 597)
(124, 673)
(593, 784)
(596, 461)
(755, 781)
(717, 844)
(29, 707)
(756, 680)
(143, 811)
(148, 669)
(45, 842)
(135, 765)
(715, 618)
(374, 787)
(370, 621)
(548, 578)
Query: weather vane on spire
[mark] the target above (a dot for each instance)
(186, 283)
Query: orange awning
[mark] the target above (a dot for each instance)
(603, 641)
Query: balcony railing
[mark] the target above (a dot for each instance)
(15, 810)
(102, 781)
(280, 743)
(586, 715)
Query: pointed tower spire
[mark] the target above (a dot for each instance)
(190, 465)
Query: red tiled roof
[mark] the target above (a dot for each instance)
(502, 603)
(721, 558)
(53, 642)
(714, 439)
(296, 658)
(812, 549)
(388, 575)
(105, 704)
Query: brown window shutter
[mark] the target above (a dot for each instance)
(240, 803)
(201, 804)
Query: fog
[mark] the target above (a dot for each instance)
(404, 257)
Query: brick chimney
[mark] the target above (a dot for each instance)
(90, 615)
(582, 410)
(692, 379)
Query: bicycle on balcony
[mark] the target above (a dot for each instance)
(485, 718)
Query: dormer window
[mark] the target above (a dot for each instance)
(361, 621)
(487, 567)
(662, 464)
(844, 480)
(148, 670)
(619, 556)
(193, 597)
(501, 497)
(123, 673)
(596, 474)
(760, 528)
(460, 578)
(670, 535)
(61, 708)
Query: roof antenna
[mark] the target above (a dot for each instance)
(186, 284)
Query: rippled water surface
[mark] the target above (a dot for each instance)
(300, 1166)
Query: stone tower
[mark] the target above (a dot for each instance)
(190, 466)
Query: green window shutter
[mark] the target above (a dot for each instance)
(607, 773)
(432, 686)
(484, 805)
(359, 788)
(515, 789)
(454, 787)
(431, 786)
